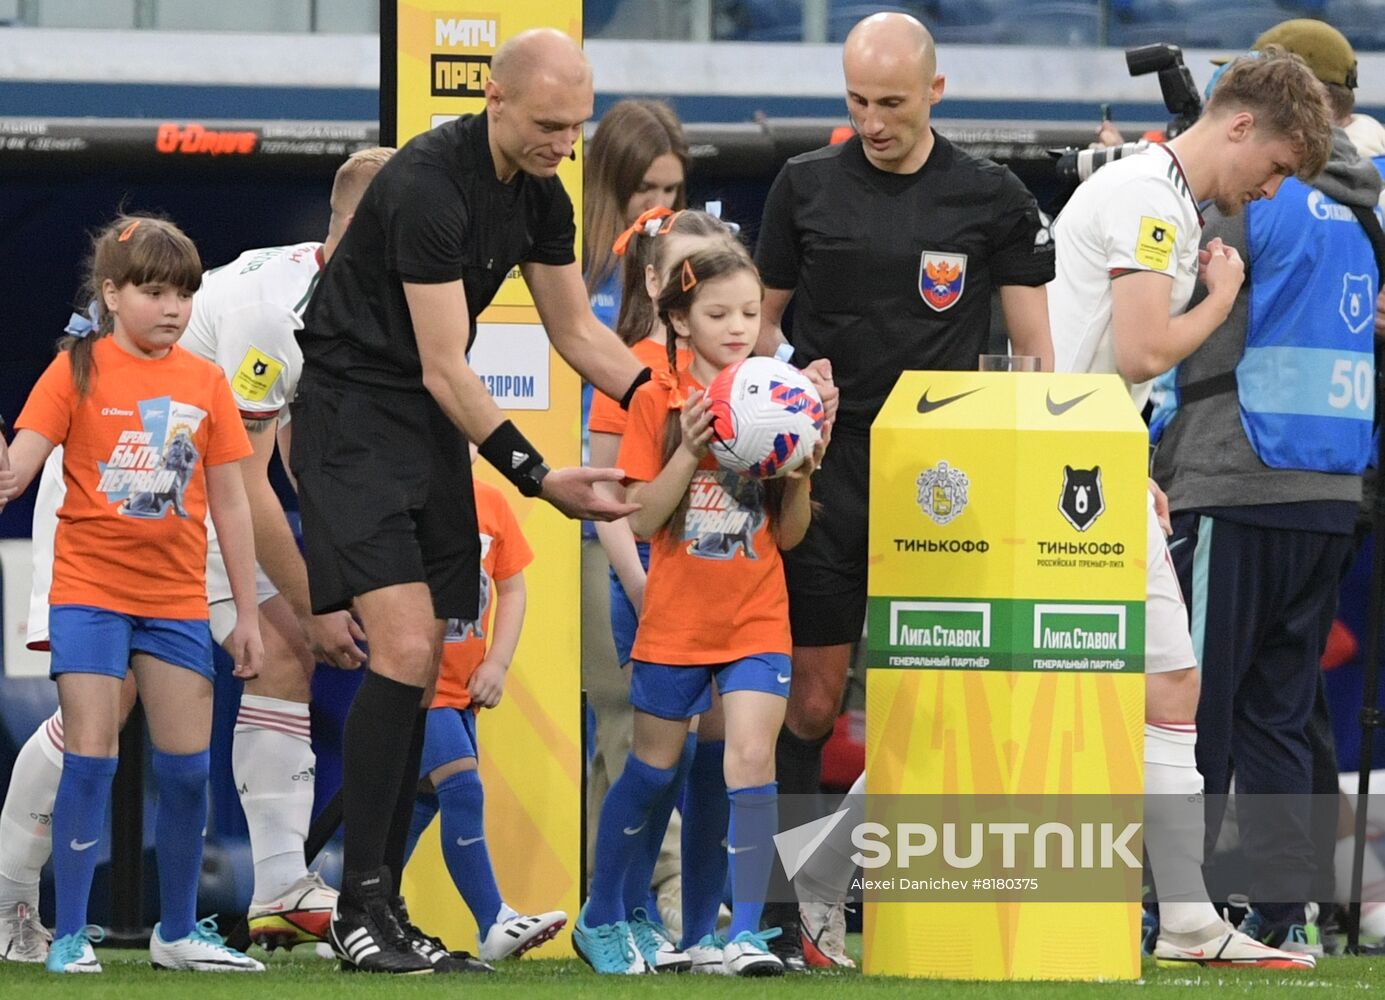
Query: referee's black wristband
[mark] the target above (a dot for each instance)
(517, 459)
(644, 376)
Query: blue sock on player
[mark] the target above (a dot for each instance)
(750, 845)
(425, 808)
(79, 821)
(462, 800)
(705, 816)
(641, 871)
(179, 821)
(619, 836)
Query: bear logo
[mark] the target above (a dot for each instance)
(1081, 502)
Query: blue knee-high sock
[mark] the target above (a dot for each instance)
(79, 823)
(750, 844)
(425, 808)
(705, 808)
(462, 800)
(619, 836)
(178, 830)
(641, 871)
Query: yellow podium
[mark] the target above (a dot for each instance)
(1006, 643)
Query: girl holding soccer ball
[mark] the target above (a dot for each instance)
(715, 612)
(656, 239)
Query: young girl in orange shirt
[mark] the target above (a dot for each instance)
(151, 440)
(712, 614)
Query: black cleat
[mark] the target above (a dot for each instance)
(788, 946)
(365, 933)
(432, 948)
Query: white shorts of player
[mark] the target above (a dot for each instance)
(46, 504)
(1167, 643)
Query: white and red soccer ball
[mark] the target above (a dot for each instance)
(766, 418)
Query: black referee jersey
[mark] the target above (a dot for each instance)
(894, 272)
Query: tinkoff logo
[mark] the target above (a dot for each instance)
(942, 492)
(148, 470)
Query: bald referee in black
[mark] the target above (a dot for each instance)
(891, 245)
(386, 405)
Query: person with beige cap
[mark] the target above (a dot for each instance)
(1333, 61)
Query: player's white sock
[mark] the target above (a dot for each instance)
(825, 876)
(1372, 885)
(274, 767)
(1174, 825)
(26, 821)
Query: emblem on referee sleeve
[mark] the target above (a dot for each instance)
(1154, 247)
(941, 278)
(256, 376)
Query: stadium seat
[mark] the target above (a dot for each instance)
(1055, 22)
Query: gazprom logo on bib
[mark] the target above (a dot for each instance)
(1326, 209)
(1079, 627)
(940, 624)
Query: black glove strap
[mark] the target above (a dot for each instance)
(517, 459)
(640, 379)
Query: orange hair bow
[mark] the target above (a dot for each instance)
(670, 381)
(645, 224)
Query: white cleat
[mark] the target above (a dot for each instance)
(824, 935)
(747, 954)
(513, 934)
(1230, 948)
(657, 946)
(73, 953)
(707, 956)
(302, 915)
(23, 938)
(204, 950)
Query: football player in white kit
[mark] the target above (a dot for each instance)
(1128, 259)
(244, 319)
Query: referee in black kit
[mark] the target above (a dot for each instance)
(385, 409)
(891, 243)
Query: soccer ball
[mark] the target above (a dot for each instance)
(766, 418)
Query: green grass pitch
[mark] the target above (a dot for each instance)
(299, 976)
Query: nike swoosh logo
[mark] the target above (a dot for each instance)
(782, 678)
(1058, 409)
(468, 843)
(740, 850)
(927, 405)
(631, 832)
(1177, 542)
(81, 847)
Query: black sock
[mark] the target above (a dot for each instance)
(404, 806)
(798, 763)
(376, 742)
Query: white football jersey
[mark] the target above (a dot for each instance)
(245, 317)
(1136, 214)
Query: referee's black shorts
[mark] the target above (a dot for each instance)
(826, 572)
(384, 489)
